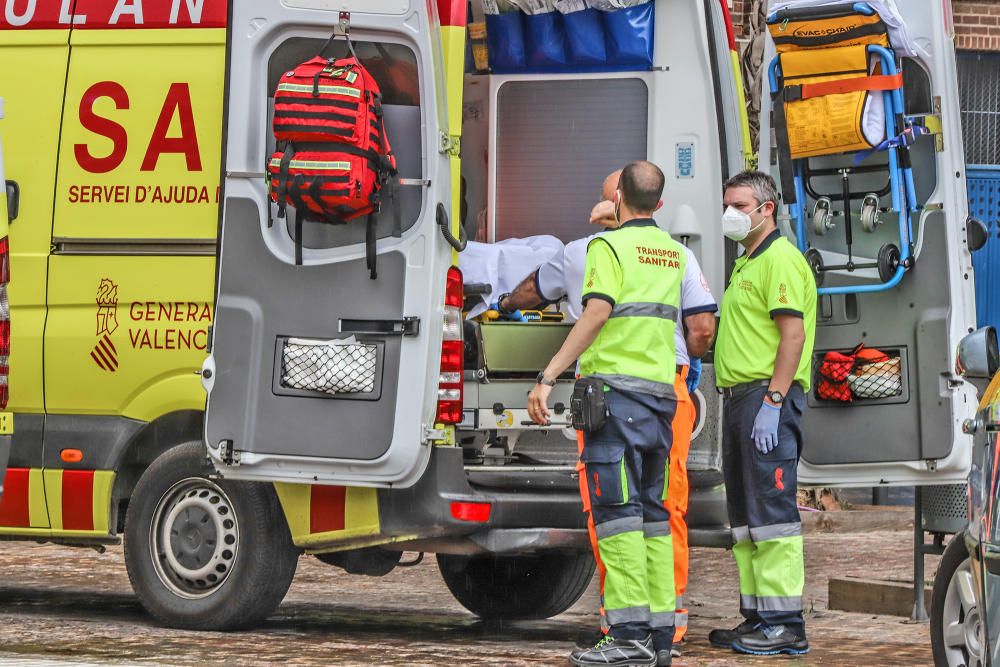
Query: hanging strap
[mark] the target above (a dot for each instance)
(350, 46)
(785, 165)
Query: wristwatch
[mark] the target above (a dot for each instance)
(503, 311)
(775, 397)
(541, 380)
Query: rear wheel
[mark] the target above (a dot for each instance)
(956, 625)
(204, 554)
(517, 587)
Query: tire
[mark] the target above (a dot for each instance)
(956, 632)
(517, 587)
(236, 560)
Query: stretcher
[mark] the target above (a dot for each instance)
(839, 117)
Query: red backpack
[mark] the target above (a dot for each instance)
(333, 157)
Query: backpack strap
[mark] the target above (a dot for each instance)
(370, 239)
(388, 175)
(300, 213)
(286, 161)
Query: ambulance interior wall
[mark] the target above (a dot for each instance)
(394, 68)
(556, 140)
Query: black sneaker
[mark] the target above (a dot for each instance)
(611, 652)
(772, 640)
(724, 638)
(664, 658)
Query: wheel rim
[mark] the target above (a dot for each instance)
(961, 622)
(193, 538)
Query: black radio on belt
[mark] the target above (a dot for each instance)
(588, 405)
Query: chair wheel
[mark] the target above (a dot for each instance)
(822, 215)
(871, 217)
(888, 261)
(815, 261)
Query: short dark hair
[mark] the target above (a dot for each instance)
(760, 183)
(641, 184)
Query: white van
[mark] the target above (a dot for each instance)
(108, 426)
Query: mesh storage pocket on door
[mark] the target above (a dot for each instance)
(330, 366)
(880, 379)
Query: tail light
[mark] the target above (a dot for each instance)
(449, 403)
(4, 320)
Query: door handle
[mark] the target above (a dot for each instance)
(13, 200)
(408, 326)
(458, 244)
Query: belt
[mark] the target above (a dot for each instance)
(743, 388)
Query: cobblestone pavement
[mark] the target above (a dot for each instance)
(74, 606)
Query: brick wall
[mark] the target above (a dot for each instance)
(739, 10)
(977, 25)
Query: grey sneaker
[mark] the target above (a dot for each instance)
(616, 652)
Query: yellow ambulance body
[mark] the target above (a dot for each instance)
(113, 138)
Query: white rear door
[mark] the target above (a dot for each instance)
(258, 425)
(913, 437)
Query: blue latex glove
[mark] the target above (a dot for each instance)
(516, 316)
(765, 428)
(694, 374)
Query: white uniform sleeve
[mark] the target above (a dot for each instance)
(551, 277)
(696, 297)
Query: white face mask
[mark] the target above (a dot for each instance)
(737, 225)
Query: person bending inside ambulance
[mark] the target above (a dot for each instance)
(626, 396)
(561, 278)
(763, 357)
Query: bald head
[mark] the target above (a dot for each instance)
(641, 184)
(610, 185)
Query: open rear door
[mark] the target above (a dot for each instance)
(271, 313)
(906, 430)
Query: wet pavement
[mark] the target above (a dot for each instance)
(74, 606)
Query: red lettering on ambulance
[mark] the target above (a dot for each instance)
(102, 126)
(178, 101)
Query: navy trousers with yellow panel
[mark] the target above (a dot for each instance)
(626, 463)
(760, 493)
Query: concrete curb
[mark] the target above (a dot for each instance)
(848, 521)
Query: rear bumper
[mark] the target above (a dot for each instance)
(529, 511)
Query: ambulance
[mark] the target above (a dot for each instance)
(148, 268)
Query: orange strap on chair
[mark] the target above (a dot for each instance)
(852, 85)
